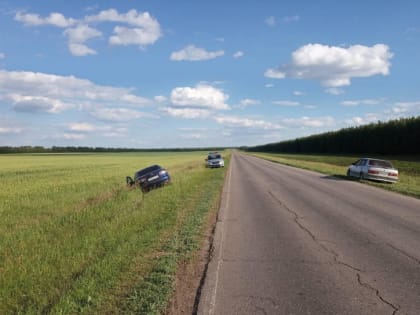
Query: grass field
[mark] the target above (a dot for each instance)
(408, 167)
(75, 239)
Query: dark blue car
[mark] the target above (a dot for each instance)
(150, 177)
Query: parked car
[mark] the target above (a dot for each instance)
(150, 177)
(214, 159)
(374, 169)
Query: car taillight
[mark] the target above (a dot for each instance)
(373, 172)
(392, 174)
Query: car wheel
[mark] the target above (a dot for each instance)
(361, 175)
(348, 173)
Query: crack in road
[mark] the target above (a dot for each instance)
(378, 294)
(335, 255)
(403, 252)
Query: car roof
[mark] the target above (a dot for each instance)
(149, 169)
(366, 158)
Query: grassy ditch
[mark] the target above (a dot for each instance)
(74, 239)
(408, 167)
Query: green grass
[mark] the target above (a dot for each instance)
(408, 167)
(74, 239)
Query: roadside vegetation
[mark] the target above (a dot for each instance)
(336, 165)
(75, 239)
(395, 137)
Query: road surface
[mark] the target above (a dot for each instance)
(291, 241)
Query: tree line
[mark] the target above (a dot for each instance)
(78, 149)
(401, 136)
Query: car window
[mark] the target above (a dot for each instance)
(360, 162)
(214, 156)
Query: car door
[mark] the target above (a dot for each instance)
(363, 167)
(355, 168)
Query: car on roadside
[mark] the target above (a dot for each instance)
(150, 177)
(214, 159)
(373, 169)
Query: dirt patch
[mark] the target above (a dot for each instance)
(190, 275)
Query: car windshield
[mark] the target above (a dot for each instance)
(214, 156)
(380, 163)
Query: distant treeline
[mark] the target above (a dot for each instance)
(400, 137)
(55, 149)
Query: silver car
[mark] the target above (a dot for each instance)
(374, 169)
(214, 159)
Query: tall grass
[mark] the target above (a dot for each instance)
(74, 239)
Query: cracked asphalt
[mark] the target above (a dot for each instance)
(291, 241)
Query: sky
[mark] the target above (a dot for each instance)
(173, 74)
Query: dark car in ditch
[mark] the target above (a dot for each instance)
(150, 177)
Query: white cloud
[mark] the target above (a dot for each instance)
(119, 114)
(188, 129)
(298, 93)
(132, 36)
(40, 92)
(187, 113)
(271, 21)
(143, 29)
(55, 19)
(81, 33)
(74, 136)
(2, 55)
(309, 122)
(78, 36)
(83, 127)
(201, 96)
(238, 54)
(26, 103)
(160, 98)
(356, 121)
(360, 102)
(10, 130)
(80, 50)
(286, 103)
(274, 74)
(192, 53)
(232, 121)
(334, 91)
(105, 131)
(335, 66)
(192, 136)
(406, 108)
(248, 102)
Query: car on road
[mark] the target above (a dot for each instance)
(373, 169)
(150, 177)
(214, 159)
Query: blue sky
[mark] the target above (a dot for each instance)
(152, 74)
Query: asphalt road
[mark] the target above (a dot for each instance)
(290, 241)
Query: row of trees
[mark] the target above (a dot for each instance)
(400, 136)
(56, 149)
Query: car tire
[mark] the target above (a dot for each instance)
(348, 173)
(361, 175)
